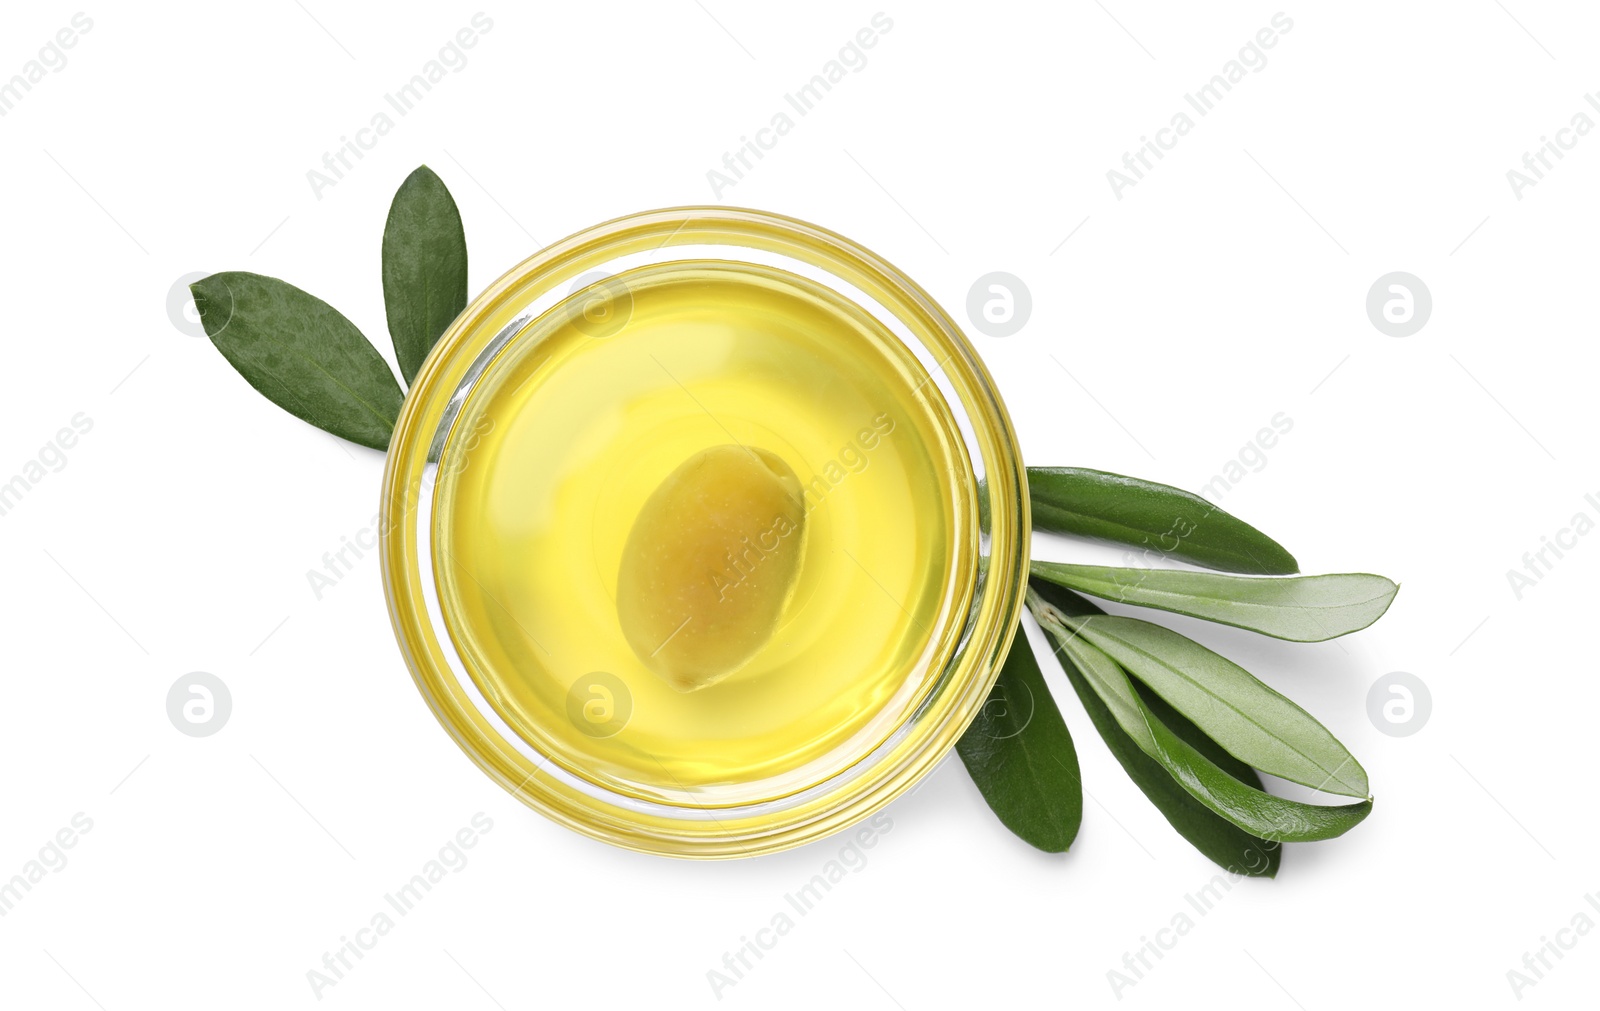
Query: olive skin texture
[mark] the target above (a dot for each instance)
(711, 563)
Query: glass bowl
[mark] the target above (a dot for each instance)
(577, 279)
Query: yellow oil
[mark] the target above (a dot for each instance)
(570, 431)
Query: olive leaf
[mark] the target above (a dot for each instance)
(1221, 841)
(1255, 724)
(301, 354)
(1020, 755)
(1297, 608)
(1220, 789)
(424, 267)
(1163, 520)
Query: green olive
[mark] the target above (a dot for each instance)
(710, 564)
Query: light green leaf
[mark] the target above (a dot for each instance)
(1298, 608)
(1255, 811)
(1255, 724)
(1220, 790)
(1218, 839)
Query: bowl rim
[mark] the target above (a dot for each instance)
(992, 618)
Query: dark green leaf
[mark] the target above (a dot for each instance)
(424, 267)
(1298, 608)
(1222, 842)
(1254, 723)
(1160, 519)
(1021, 757)
(301, 354)
(1232, 792)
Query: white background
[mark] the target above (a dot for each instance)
(1227, 286)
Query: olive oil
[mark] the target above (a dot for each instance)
(557, 452)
